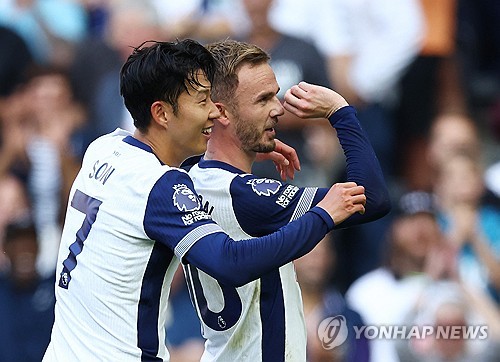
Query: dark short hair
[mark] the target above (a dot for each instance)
(162, 71)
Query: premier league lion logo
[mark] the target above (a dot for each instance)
(264, 186)
(185, 199)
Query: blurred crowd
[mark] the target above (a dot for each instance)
(424, 76)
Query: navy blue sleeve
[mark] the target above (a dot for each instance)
(263, 205)
(362, 167)
(237, 263)
(174, 217)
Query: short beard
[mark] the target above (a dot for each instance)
(250, 140)
(264, 148)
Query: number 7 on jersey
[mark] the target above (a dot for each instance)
(89, 206)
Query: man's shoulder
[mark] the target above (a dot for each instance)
(214, 175)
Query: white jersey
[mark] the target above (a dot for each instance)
(129, 221)
(262, 320)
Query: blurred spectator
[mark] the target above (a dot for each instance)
(321, 300)
(50, 28)
(203, 20)
(15, 131)
(368, 60)
(416, 252)
(184, 340)
(97, 16)
(492, 179)
(479, 51)
(444, 305)
(366, 56)
(26, 299)
(293, 60)
(15, 58)
(431, 87)
(304, 20)
(471, 226)
(95, 71)
(14, 204)
(39, 124)
(452, 134)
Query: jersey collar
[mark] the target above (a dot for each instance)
(219, 164)
(136, 143)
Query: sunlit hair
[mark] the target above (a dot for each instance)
(230, 56)
(162, 71)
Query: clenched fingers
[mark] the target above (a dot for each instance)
(343, 200)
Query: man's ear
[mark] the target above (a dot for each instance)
(224, 114)
(160, 112)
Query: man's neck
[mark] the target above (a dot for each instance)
(162, 150)
(231, 154)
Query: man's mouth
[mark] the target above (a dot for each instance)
(206, 131)
(271, 129)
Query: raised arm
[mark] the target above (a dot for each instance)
(362, 166)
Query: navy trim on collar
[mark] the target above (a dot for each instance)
(190, 162)
(136, 143)
(219, 164)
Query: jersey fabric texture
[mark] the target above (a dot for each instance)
(129, 220)
(263, 320)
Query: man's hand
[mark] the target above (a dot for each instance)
(312, 101)
(343, 200)
(285, 159)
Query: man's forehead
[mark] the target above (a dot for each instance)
(258, 79)
(249, 72)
